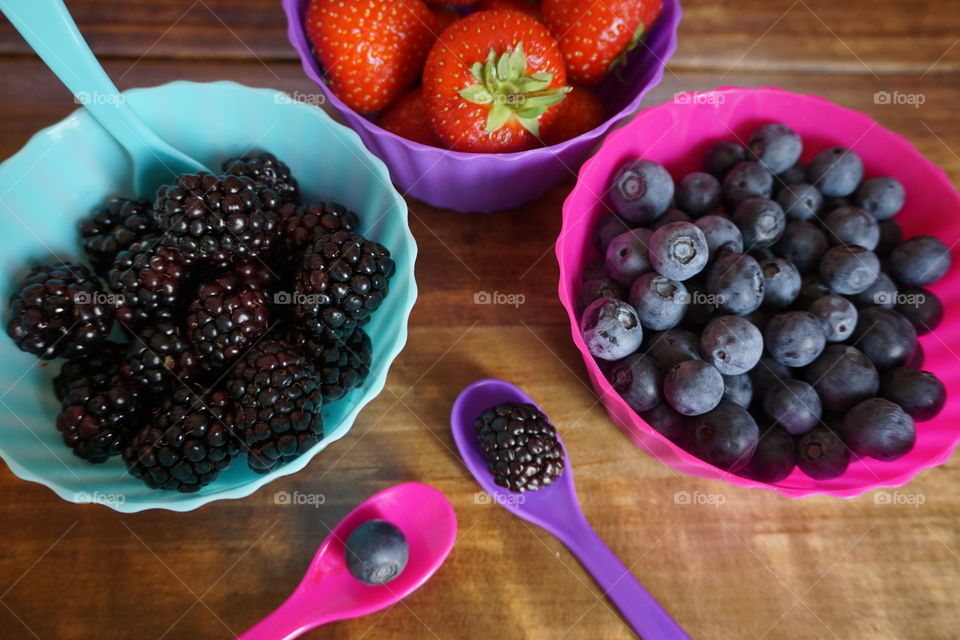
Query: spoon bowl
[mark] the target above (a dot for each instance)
(328, 592)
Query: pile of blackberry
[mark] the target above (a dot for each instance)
(242, 310)
(520, 446)
(763, 313)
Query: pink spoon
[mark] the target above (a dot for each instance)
(329, 593)
(556, 509)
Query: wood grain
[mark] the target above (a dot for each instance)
(750, 565)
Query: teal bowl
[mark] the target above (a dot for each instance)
(72, 167)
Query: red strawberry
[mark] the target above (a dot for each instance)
(407, 117)
(529, 7)
(580, 112)
(371, 50)
(594, 35)
(492, 82)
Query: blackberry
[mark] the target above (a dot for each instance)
(217, 219)
(277, 398)
(341, 365)
(114, 228)
(100, 362)
(158, 356)
(520, 446)
(225, 319)
(266, 168)
(187, 442)
(344, 278)
(301, 225)
(98, 405)
(148, 278)
(59, 310)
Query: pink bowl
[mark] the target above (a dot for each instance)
(677, 134)
(484, 182)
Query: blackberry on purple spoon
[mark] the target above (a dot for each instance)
(520, 446)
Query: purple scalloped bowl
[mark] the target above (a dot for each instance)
(676, 135)
(483, 182)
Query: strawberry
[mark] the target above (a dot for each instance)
(407, 117)
(594, 36)
(371, 50)
(529, 7)
(493, 81)
(580, 112)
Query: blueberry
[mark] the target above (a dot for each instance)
(678, 250)
(761, 222)
(781, 282)
(627, 256)
(611, 329)
(725, 437)
(608, 228)
(852, 225)
(882, 197)
(803, 244)
(376, 552)
(879, 429)
(885, 336)
(747, 180)
(736, 281)
(723, 156)
(842, 376)
(672, 215)
(794, 175)
(920, 261)
(794, 405)
(768, 372)
(837, 317)
(693, 387)
(811, 288)
(775, 146)
(637, 378)
(836, 171)
(919, 393)
(849, 269)
(660, 302)
(596, 270)
(699, 193)
(738, 390)
(599, 288)
(890, 236)
(733, 345)
(668, 422)
(794, 338)
(800, 201)
(916, 358)
(720, 232)
(921, 307)
(774, 459)
(821, 454)
(641, 191)
(882, 293)
(673, 346)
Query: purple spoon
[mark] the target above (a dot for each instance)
(556, 509)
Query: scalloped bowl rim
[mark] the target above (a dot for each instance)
(684, 461)
(372, 388)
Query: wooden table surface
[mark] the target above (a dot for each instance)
(750, 564)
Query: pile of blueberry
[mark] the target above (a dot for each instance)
(762, 313)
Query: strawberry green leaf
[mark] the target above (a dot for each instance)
(499, 115)
(477, 94)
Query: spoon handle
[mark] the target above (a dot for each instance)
(645, 615)
(294, 617)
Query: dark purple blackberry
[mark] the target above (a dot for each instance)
(59, 310)
(266, 168)
(344, 278)
(187, 442)
(341, 365)
(158, 357)
(225, 319)
(98, 405)
(301, 225)
(258, 273)
(277, 401)
(520, 446)
(113, 229)
(105, 359)
(217, 219)
(149, 278)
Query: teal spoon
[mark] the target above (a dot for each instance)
(47, 26)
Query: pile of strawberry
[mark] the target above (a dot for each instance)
(511, 75)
